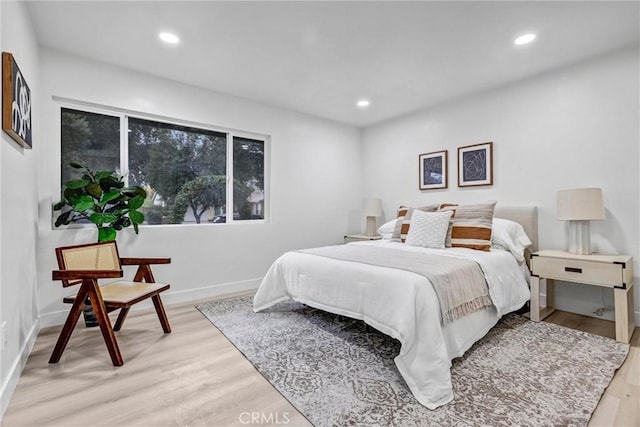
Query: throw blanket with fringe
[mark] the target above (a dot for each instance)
(459, 283)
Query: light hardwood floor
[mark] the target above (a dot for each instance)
(196, 377)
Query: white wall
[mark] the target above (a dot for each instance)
(18, 210)
(315, 180)
(575, 127)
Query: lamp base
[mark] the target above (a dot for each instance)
(371, 226)
(580, 237)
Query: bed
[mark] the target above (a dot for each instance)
(403, 304)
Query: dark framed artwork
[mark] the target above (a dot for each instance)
(475, 165)
(433, 170)
(16, 102)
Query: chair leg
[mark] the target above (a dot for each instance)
(105, 324)
(164, 321)
(121, 316)
(69, 325)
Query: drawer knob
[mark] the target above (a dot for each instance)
(573, 270)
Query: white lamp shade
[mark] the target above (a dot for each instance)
(371, 207)
(580, 204)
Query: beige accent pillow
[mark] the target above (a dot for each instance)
(403, 223)
(470, 225)
(428, 229)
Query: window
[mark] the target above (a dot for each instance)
(248, 173)
(184, 170)
(89, 138)
(191, 174)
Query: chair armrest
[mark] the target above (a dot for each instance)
(143, 261)
(85, 274)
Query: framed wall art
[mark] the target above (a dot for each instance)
(475, 165)
(433, 170)
(16, 102)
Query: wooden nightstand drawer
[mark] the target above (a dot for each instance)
(359, 238)
(598, 273)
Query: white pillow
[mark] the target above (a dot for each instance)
(510, 236)
(387, 227)
(428, 229)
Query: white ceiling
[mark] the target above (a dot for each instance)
(320, 57)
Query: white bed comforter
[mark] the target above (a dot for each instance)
(400, 304)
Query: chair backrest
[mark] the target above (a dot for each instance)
(92, 256)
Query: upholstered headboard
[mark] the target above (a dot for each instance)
(527, 216)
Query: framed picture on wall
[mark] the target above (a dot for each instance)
(475, 165)
(433, 170)
(16, 102)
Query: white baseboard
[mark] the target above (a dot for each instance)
(58, 317)
(14, 372)
(210, 291)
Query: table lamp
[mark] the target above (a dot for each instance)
(579, 206)
(371, 208)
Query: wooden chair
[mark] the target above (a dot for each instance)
(84, 265)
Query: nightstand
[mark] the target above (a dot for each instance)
(609, 271)
(359, 238)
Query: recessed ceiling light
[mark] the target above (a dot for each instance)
(169, 38)
(525, 38)
(363, 103)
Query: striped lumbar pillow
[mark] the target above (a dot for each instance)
(403, 222)
(470, 225)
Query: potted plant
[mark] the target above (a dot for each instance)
(100, 198)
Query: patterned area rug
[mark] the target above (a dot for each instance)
(340, 372)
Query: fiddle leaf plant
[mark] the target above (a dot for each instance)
(101, 198)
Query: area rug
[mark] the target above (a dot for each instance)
(340, 372)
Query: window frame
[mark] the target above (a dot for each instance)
(124, 115)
